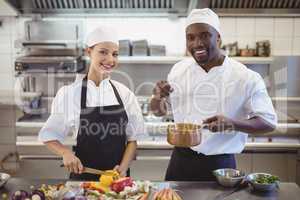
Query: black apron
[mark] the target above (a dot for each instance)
(188, 165)
(101, 139)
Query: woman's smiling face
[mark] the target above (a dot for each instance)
(104, 57)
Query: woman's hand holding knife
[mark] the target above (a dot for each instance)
(71, 162)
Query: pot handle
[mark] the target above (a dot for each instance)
(204, 126)
(168, 128)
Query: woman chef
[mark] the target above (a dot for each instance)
(103, 114)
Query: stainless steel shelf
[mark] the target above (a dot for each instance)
(30, 124)
(295, 99)
(52, 75)
(149, 59)
(254, 60)
(174, 59)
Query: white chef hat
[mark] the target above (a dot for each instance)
(102, 34)
(206, 16)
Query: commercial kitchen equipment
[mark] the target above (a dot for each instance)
(153, 7)
(51, 46)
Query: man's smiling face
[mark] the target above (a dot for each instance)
(202, 42)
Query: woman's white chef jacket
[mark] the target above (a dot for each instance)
(65, 111)
(231, 89)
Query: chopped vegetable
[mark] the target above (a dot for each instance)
(144, 197)
(125, 188)
(106, 180)
(266, 179)
(166, 194)
(20, 195)
(37, 195)
(121, 183)
(114, 173)
(80, 198)
(99, 187)
(86, 185)
(4, 196)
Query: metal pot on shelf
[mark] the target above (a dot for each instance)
(247, 52)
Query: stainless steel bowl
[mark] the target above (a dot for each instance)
(229, 177)
(251, 178)
(3, 179)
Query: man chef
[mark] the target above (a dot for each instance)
(216, 90)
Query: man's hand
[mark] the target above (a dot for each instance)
(162, 89)
(158, 104)
(219, 123)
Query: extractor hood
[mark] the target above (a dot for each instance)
(102, 7)
(253, 7)
(155, 7)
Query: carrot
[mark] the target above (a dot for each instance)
(169, 194)
(177, 197)
(159, 195)
(164, 194)
(144, 197)
(155, 196)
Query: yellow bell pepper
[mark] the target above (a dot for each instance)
(100, 187)
(113, 173)
(106, 180)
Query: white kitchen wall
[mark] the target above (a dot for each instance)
(7, 30)
(156, 31)
(296, 42)
(284, 34)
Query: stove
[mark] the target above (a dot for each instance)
(48, 64)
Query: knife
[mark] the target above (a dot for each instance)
(95, 171)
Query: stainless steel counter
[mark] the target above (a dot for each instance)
(154, 153)
(161, 143)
